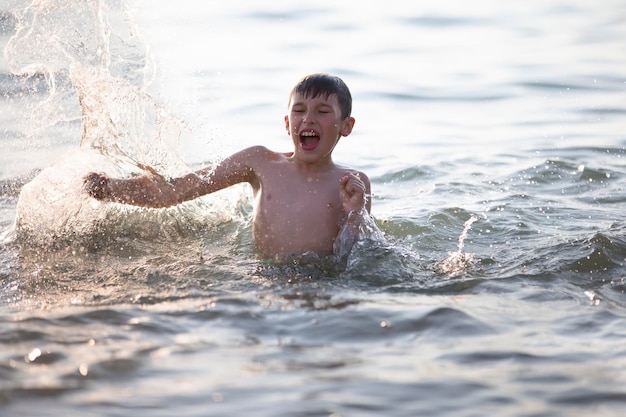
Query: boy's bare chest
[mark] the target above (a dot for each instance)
(306, 198)
(301, 195)
(295, 214)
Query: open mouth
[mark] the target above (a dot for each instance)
(309, 140)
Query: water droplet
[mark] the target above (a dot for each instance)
(83, 369)
(33, 355)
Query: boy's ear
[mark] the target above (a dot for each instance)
(348, 124)
(287, 125)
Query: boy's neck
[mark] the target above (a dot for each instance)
(322, 165)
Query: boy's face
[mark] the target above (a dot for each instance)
(315, 125)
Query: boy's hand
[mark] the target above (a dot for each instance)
(352, 192)
(97, 185)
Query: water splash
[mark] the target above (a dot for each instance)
(457, 261)
(97, 71)
(126, 124)
(52, 36)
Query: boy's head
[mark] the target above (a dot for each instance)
(314, 85)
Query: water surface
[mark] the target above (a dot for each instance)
(493, 135)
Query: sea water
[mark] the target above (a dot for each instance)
(494, 137)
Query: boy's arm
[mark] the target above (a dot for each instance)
(144, 191)
(354, 190)
(156, 191)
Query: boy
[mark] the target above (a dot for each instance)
(303, 201)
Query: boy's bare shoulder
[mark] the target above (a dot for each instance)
(343, 169)
(262, 152)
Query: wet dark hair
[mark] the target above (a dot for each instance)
(314, 85)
